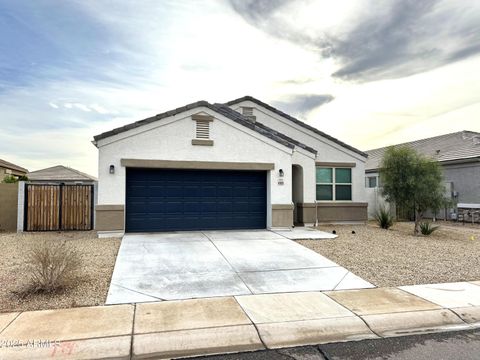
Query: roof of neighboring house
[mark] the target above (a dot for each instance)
(296, 121)
(221, 109)
(59, 173)
(9, 165)
(462, 145)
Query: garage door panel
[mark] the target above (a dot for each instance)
(165, 200)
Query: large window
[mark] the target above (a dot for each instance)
(334, 184)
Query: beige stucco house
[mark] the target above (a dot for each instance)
(238, 165)
(7, 168)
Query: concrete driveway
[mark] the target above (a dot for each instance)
(184, 265)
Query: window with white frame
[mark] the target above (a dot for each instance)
(334, 184)
(371, 181)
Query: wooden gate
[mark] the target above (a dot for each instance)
(58, 207)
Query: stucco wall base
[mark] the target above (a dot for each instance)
(306, 213)
(341, 212)
(110, 234)
(282, 216)
(332, 212)
(109, 217)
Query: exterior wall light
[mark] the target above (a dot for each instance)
(280, 173)
(112, 169)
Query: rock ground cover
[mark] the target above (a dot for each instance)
(89, 287)
(396, 257)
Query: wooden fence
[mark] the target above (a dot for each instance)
(58, 207)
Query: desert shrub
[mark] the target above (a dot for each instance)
(384, 218)
(426, 228)
(9, 179)
(52, 266)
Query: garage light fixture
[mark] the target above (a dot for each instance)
(112, 169)
(280, 173)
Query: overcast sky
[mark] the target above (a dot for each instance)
(371, 73)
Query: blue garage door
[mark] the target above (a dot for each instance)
(165, 200)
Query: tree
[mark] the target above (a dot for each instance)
(412, 181)
(10, 179)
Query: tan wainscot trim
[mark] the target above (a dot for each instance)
(330, 211)
(201, 165)
(109, 217)
(282, 215)
(348, 211)
(306, 213)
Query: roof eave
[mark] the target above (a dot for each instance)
(299, 122)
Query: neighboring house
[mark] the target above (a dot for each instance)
(7, 168)
(239, 165)
(61, 174)
(459, 155)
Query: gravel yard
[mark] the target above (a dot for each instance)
(90, 288)
(395, 257)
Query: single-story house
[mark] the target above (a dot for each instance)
(459, 155)
(7, 168)
(239, 165)
(61, 174)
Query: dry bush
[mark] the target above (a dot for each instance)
(52, 266)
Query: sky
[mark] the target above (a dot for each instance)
(370, 73)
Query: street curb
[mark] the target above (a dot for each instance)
(272, 330)
(415, 322)
(310, 332)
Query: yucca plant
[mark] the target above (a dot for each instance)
(426, 228)
(384, 218)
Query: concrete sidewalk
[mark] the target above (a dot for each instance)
(235, 324)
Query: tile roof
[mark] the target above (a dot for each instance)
(296, 121)
(151, 119)
(59, 173)
(221, 109)
(9, 165)
(259, 127)
(462, 145)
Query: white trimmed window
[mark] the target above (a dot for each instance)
(334, 184)
(371, 181)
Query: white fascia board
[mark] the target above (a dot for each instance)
(306, 131)
(186, 114)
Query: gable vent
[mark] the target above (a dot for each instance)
(247, 111)
(202, 129)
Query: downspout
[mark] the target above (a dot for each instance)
(316, 214)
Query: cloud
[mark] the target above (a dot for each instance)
(301, 105)
(392, 39)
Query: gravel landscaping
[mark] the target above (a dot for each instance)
(89, 288)
(395, 257)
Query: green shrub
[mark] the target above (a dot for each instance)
(426, 228)
(52, 266)
(9, 179)
(384, 218)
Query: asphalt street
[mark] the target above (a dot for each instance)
(462, 345)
